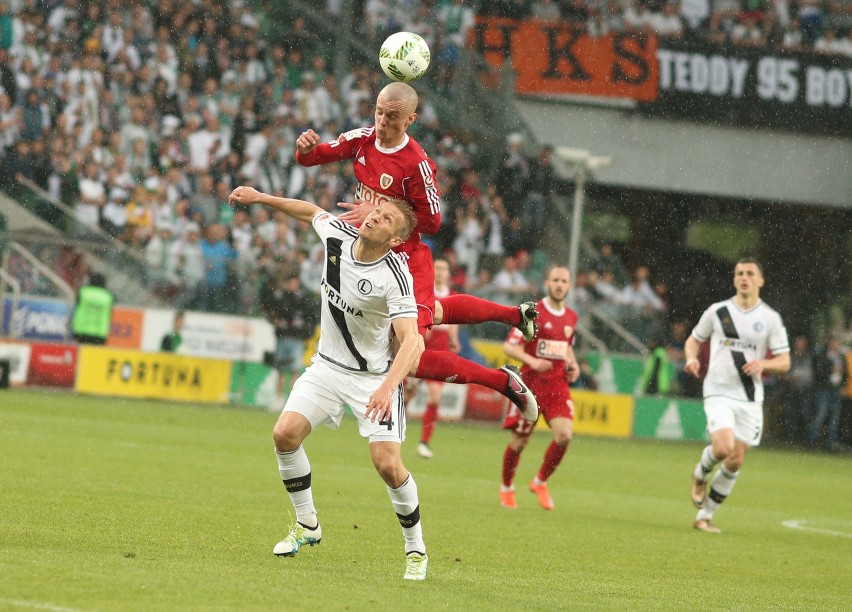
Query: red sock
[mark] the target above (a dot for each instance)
(552, 458)
(429, 418)
(461, 309)
(445, 366)
(510, 465)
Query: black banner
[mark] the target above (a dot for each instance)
(754, 87)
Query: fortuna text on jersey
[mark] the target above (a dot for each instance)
(335, 298)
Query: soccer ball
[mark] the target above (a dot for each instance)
(404, 56)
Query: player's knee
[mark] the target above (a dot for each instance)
(392, 471)
(722, 449)
(286, 439)
(519, 443)
(562, 438)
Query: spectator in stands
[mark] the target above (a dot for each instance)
(513, 175)
(293, 312)
(545, 10)
(642, 305)
(114, 213)
(188, 259)
(92, 196)
(509, 285)
(455, 19)
(606, 259)
(811, 20)
(219, 259)
(540, 185)
(797, 391)
(830, 376)
(667, 24)
(161, 268)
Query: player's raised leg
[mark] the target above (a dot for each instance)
(464, 309)
(445, 366)
(295, 469)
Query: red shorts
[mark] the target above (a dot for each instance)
(554, 401)
(423, 272)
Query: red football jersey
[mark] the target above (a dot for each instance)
(555, 335)
(404, 172)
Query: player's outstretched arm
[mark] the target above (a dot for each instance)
(410, 349)
(297, 209)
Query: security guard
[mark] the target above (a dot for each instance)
(90, 323)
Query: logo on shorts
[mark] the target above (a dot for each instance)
(365, 286)
(385, 181)
(758, 326)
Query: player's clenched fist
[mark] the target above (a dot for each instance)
(306, 141)
(244, 195)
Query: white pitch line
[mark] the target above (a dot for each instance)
(803, 526)
(37, 605)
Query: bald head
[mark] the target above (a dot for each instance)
(396, 109)
(401, 92)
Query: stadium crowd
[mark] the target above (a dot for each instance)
(822, 25)
(143, 116)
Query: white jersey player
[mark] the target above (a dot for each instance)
(741, 332)
(368, 304)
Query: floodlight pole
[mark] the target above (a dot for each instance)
(580, 172)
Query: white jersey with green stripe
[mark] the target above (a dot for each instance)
(359, 301)
(737, 337)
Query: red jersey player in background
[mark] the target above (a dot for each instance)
(438, 338)
(549, 365)
(389, 164)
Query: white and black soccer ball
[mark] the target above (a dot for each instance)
(404, 56)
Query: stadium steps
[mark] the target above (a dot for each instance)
(124, 278)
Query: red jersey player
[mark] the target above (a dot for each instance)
(388, 163)
(438, 338)
(549, 365)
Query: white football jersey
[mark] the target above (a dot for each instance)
(736, 337)
(359, 300)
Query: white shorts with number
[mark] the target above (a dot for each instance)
(745, 418)
(322, 393)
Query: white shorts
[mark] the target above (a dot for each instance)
(322, 393)
(745, 418)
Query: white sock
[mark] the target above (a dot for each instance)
(295, 470)
(720, 487)
(505, 489)
(706, 464)
(407, 507)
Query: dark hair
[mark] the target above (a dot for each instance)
(751, 260)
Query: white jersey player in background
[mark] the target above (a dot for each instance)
(367, 299)
(741, 331)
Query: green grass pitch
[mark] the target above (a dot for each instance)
(108, 504)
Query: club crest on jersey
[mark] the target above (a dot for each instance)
(758, 326)
(385, 181)
(365, 286)
(568, 331)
